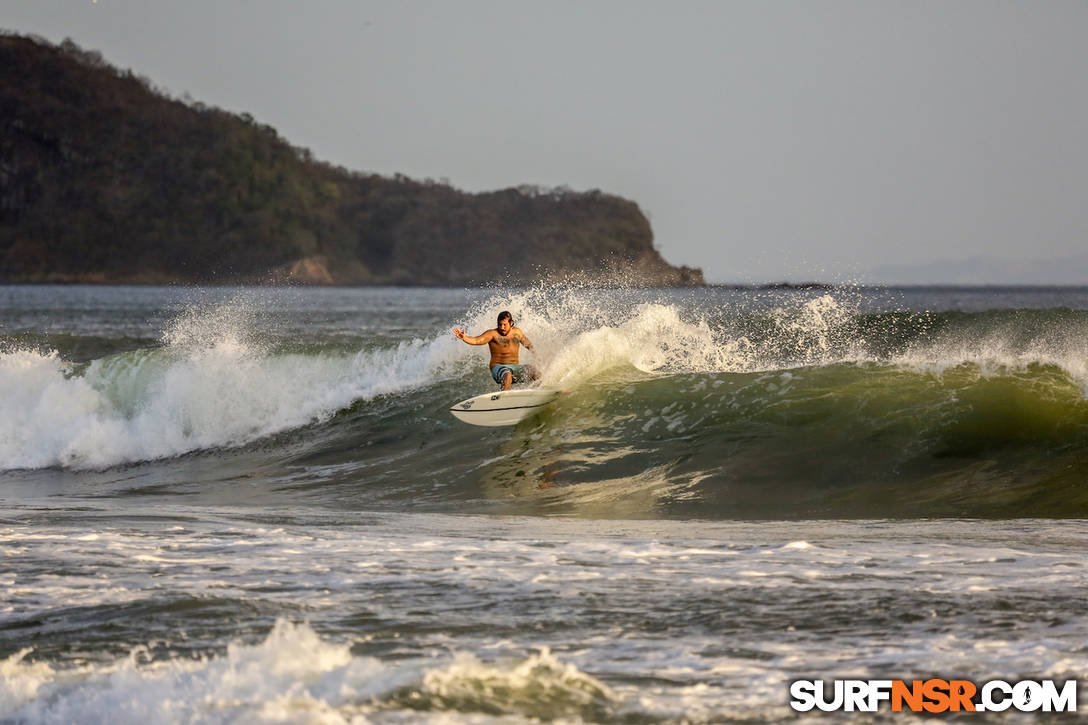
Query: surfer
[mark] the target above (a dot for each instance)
(503, 342)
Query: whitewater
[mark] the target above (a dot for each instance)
(252, 504)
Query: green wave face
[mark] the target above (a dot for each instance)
(845, 440)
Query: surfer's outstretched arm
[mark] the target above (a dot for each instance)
(480, 340)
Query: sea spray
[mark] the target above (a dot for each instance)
(213, 383)
(1000, 342)
(583, 331)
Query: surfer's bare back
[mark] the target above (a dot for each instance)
(504, 341)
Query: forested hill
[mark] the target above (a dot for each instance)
(104, 178)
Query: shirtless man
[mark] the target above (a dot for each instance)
(503, 341)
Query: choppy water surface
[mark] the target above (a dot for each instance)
(237, 505)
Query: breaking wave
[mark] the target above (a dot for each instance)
(295, 675)
(799, 406)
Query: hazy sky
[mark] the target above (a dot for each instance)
(765, 140)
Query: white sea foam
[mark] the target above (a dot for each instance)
(296, 676)
(211, 385)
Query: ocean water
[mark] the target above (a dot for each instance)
(252, 505)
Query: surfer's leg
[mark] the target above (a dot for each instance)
(507, 378)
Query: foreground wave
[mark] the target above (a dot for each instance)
(168, 613)
(296, 676)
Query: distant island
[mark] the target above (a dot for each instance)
(104, 178)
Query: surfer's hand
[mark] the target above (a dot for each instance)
(459, 333)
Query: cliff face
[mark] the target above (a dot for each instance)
(105, 179)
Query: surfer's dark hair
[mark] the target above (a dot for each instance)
(504, 315)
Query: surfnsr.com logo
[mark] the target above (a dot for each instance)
(933, 696)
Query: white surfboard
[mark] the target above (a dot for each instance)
(505, 407)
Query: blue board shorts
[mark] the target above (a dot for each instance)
(519, 373)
